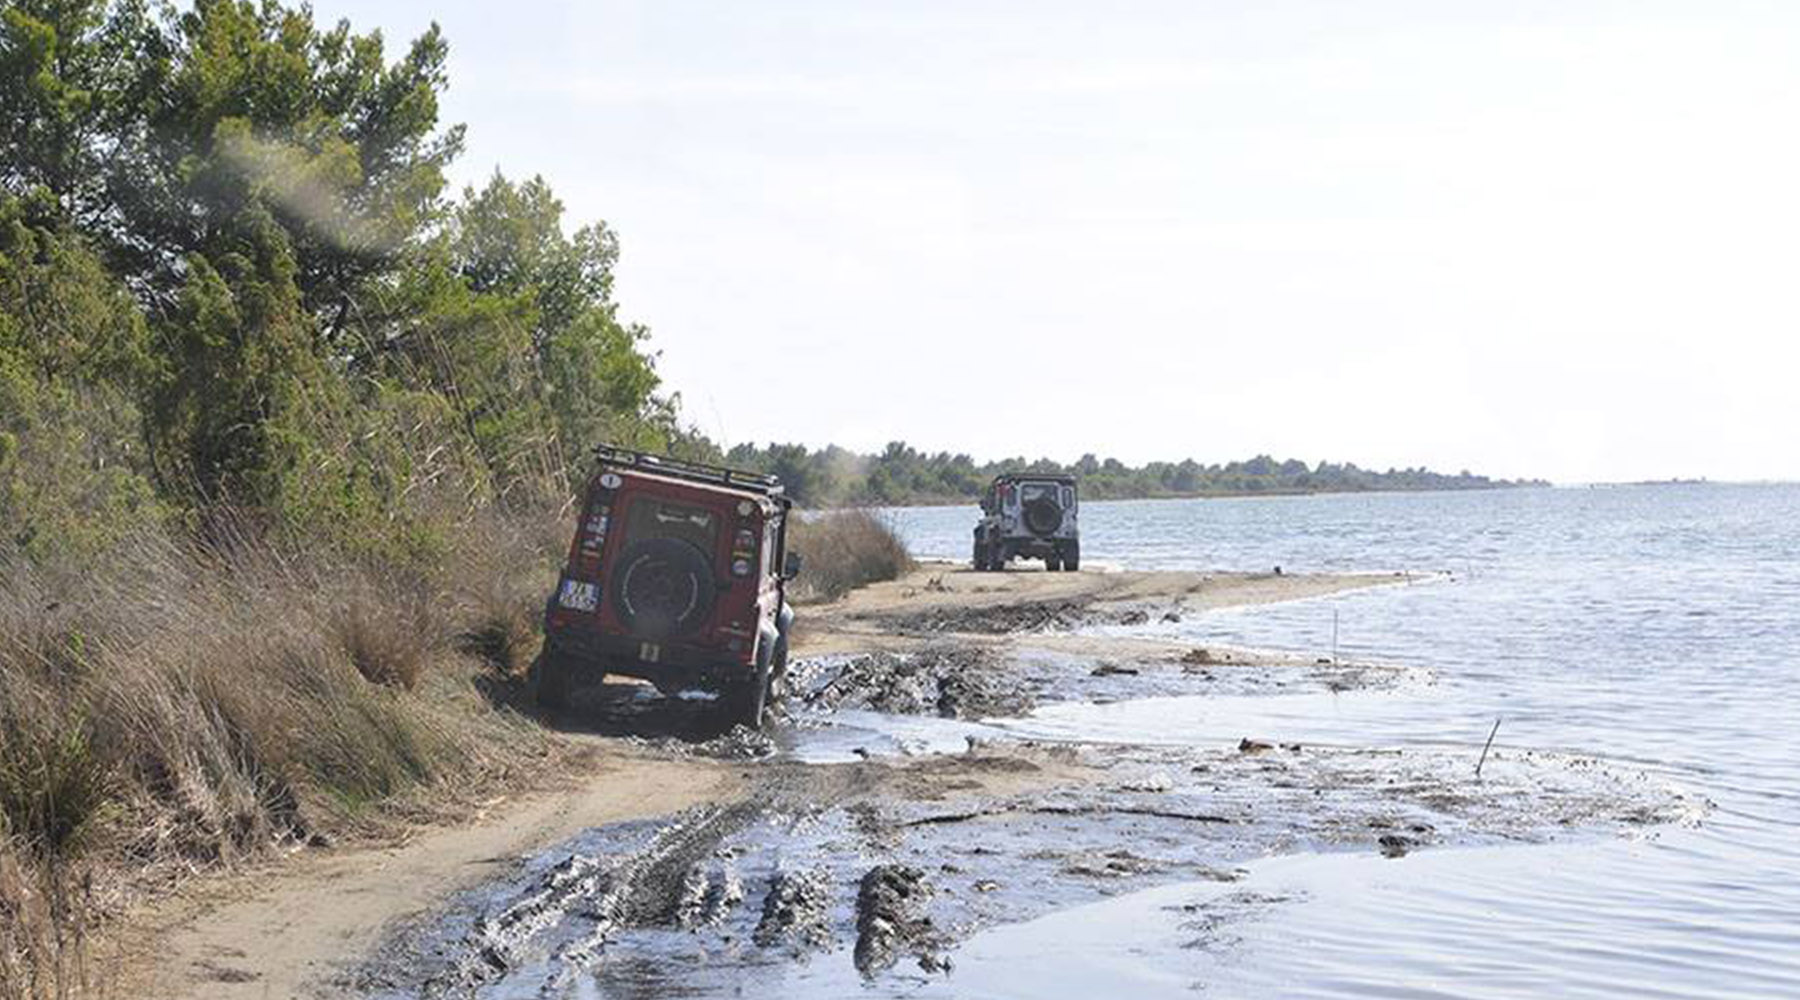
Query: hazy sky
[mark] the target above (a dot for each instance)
(1533, 239)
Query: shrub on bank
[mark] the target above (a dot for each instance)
(844, 550)
(183, 705)
(179, 707)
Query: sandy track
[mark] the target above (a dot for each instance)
(269, 932)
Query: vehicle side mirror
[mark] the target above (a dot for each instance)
(791, 568)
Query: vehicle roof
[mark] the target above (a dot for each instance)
(641, 476)
(658, 468)
(1055, 477)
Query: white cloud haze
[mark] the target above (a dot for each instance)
(1551, 239)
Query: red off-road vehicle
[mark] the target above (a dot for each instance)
(677, 575)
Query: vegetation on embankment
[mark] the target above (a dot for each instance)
(180, 707)
(844, 550)
(280, 420)
(287, 438)
(900, 474)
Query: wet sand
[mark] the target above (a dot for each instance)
(820, 859)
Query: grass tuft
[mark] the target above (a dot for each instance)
(844, 550)
(384, 644)
(179, 707)
(53, 785)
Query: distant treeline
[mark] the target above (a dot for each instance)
(901, 474)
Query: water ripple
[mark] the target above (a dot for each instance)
(1651, 624)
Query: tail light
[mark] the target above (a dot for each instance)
(743, 552)
(590, 534)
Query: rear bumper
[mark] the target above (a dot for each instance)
(1033, 545)
(670, 666)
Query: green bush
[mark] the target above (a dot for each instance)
(844, 550)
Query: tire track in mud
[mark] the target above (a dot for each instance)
(611, 895)
(663, 883)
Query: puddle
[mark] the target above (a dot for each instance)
(1300, 927)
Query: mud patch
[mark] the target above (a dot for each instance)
(1217, 923)
(740, 742)
(796, 911)
(1047, 671)
(708, 894)
(1000, 619)
(949, 681)
(558, 917)
(891, 920)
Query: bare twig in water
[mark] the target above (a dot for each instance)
(1484, 748)
(1061, 810)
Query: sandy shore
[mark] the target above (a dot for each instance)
(270, 931)
(864, 619)
(942, 642)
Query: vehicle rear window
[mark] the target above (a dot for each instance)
(1032, 491)
(653, 518)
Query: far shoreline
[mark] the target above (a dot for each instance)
(1226, 495)
(1285, 493)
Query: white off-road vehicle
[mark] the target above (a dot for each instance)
(1031, 516)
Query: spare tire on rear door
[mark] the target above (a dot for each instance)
(662, 588)
(1043, 516)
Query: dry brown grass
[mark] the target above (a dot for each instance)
(181, 708)
(844, 550)
(502, 578)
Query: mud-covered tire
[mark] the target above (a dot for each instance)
(996, 558)
(778, 661)
(1071, 559)
(551, 680)
(980, 557)
(744, 701)
(778, 665)
(1052, 564)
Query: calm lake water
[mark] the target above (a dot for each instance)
(1655, 625)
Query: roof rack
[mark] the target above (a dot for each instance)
(662, 465)
(1056, 477)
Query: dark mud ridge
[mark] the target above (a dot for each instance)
(796, 912)
(948, 680)
(740, 742)
(827, 881)
(967, 681)
(1012, 619)
(891, 920)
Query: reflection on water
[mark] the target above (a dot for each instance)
(1655, 624)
